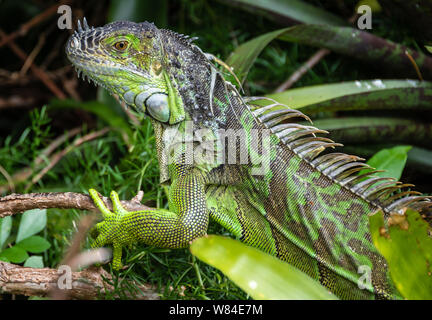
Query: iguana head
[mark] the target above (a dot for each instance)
(153, 70)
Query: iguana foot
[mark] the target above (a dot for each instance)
(112, 230)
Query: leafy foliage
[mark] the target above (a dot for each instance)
(31, 223)
(407, 246)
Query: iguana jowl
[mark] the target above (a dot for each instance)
(309, 207)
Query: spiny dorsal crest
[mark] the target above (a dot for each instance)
(384, 193)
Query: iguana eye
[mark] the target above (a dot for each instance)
(121, 45)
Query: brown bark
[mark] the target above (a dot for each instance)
(88, 284)
(16, 203)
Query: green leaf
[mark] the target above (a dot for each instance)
(373, 4)
(34, 244)
(295, 10)
(407, 247)
(368, 130)
(362, 45)
(5, 229)
(358, 95)
(32, 222)
(259, 274)
(244, 56)
(343, 40)
(391, 160)
(14, 254)
(418, 158)
(34, 262)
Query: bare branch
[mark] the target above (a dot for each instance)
(309, 64)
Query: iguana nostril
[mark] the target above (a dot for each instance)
(74, 43)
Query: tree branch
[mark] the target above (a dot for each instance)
(16, 203)
(87, 284)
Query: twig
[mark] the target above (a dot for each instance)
(25, 173)
(32, 55)
(59, 155)
(87, 284)
(12, 78)
(8, 178)
(312, 61)
(416, 68)
(36, 70)
(70, 86)
(24, 28)
(17, 203)
(16, 101)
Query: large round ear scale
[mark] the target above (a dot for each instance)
(157, 106)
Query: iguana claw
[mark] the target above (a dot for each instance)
(112, 230)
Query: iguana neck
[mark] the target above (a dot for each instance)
(193, 75)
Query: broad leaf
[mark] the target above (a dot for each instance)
(258, 273)
(363, 46)
(34, 244)
(344, 40)
(32, 222)
(14, 254)
(368, 130)
(391, 160)
(244, 56)
(358, 95)
(34, 262)
(418, 158)
(372, 4)
(407, 246)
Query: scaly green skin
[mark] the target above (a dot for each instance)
(308, 209)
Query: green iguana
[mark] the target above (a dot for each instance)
(266, 178)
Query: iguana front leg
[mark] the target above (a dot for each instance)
(186, 220)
